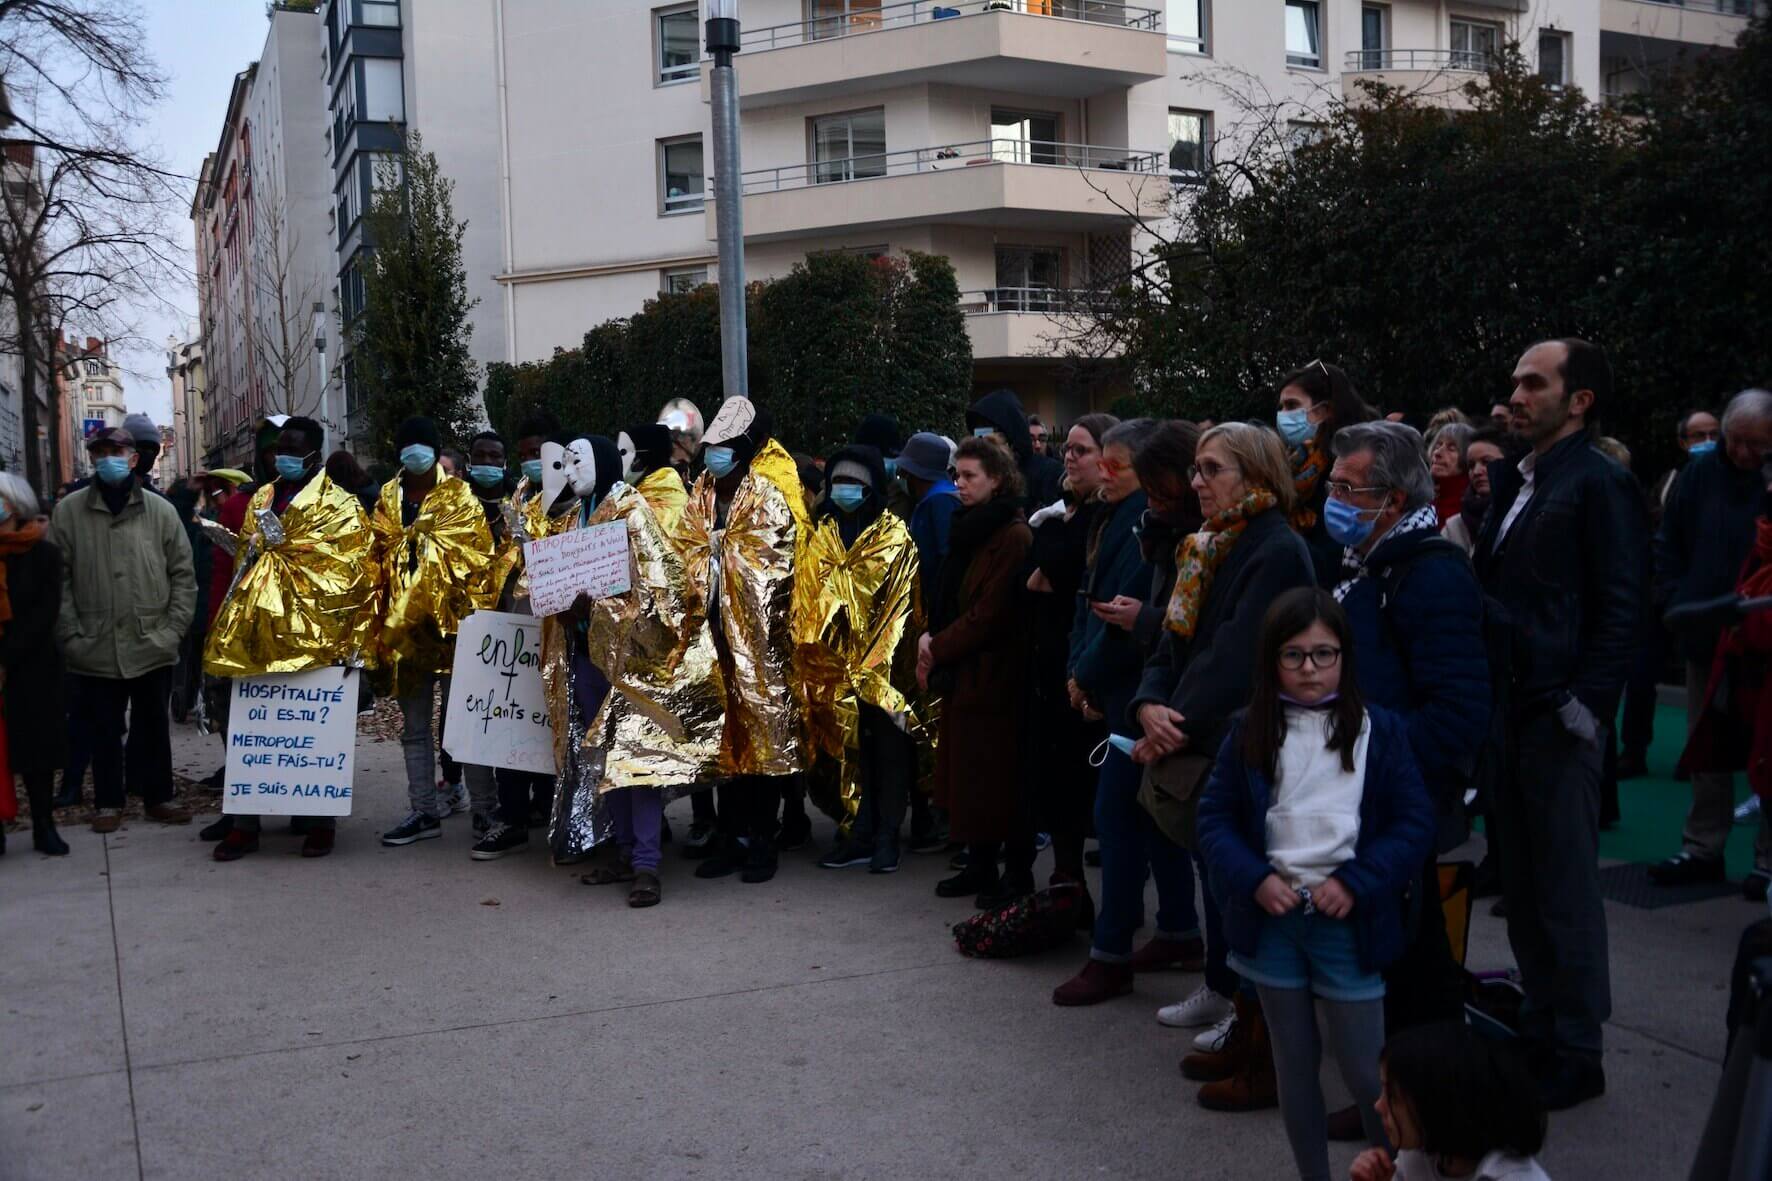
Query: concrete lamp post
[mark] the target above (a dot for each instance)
(723, 42)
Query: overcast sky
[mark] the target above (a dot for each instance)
(200, 45)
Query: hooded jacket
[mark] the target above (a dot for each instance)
(1002, 411)
(852, 525)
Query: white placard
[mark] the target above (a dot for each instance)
(592, 561)
(292, 744)
(498, 715)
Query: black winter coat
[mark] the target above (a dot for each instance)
(36, 701)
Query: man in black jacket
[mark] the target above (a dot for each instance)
(1707, 532)
(999, 413)
(1561, 549)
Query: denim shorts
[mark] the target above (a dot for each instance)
(1314, 952)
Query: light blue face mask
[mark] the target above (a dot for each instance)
(112, 469)
(1704, 448)
(1119, 742)
(720, 461)
(1295, 426)
(1346, 524)
(532, 470)
(291, 467)
(418, 458)
(487, 475)
(848, 497)
(984, 432)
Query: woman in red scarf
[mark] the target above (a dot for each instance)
(30, 598)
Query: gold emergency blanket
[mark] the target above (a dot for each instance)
(305, 602)
(662, 722)
(748, 568)
(432, 574)
(852, 609)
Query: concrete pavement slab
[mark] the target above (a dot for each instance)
(73, 1127)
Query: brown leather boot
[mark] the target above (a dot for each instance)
(1097, 982)
(1252, 1087)
(1160, 955)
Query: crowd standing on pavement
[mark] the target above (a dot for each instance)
(1275, 666)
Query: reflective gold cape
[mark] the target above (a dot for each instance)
(749, 566)
(662, 722)
(432, 574)
(853, 609)
(304, 603)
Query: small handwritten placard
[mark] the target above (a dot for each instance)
(292, 743)
(498, 715)
(592, 561)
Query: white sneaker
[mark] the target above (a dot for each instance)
(1212, 1040)
(1748, 811)
(1203, 1007)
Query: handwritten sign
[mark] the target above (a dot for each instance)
(292, 744)
(498, 715)
(591, 561)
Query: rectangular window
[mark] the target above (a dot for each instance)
(677, 40)
(1474, 44)
(682, 280)
(1029, 278)
(1553, 58)
(849, 147)
(1374, 36)
(839, 18)
(1024, 137)
(1185, 22)
(1304, 33)
(383, 14)
(680, 175)
(1189, 145)
(384, 97)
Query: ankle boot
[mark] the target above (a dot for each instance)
(1252, 1087)
(1098, 981)
(40, 790)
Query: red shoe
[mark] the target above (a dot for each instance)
(236, 845)
(1160, 955)
(1097, 982)
(319, 842)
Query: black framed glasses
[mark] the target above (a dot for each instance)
(1322, 656)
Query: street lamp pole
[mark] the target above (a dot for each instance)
(723, 39)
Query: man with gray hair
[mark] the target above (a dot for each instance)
(1707, 532)
(1416, 613)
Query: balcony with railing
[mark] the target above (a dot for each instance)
(1438, 76)
(1060, 48)
(990, 182)
(1021, 323)
(1714, 23)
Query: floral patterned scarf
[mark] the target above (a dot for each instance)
(1199, 556)
(1310, 464)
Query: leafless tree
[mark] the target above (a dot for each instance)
(277, 322)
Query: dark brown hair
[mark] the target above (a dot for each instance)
(1468, 1095)
(1264, 727)
(1165, 456)
(1323, 382)
(997, 461)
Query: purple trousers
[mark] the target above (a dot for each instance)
(638, 813)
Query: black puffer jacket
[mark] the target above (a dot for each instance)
(1003, 411)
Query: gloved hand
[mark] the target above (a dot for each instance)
(1579, 720)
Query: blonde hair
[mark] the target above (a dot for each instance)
(1259, 454)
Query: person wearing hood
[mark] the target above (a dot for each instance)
(432, 548)
(855, 603)
(1000, 414)
(749, 500)
(881, 432)
(1314, 403)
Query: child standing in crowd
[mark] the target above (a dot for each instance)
(1458, 1107)
(1313, 823)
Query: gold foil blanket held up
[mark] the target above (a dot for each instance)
(433, 571)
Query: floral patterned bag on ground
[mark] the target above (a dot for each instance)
(1038, 922)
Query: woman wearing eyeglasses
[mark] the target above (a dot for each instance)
(1315, 402)
(1241, 559)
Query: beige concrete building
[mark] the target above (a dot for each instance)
(185, 373)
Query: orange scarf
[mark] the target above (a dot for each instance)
(1310, 464)
(16, 541)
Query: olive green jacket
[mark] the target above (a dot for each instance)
(128, 584)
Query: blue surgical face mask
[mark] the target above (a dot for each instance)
(532, 470)
(487, 475)
(1704, 448)
(418, 458)
(848, 497)
(1347, 524)
(720, 461)
(112, 469)
(291, 467)
(1295, 426)
(984, 432)
(1119, 742)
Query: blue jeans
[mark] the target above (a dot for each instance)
(1220, 978)
(1132, 847)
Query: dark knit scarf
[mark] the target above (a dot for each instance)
(971, 531)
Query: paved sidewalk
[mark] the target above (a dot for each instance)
(408, 1012)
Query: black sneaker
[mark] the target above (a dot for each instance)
(501, 840)
(796, 831)
(216, 831)
(727, 858)
(1685, 869)
(416, 827)
(1011, 888)
(961, 860)
(965, 882)
(848, 852)
(934, 841)
(699, 844)
(885, 858)
(759, 863)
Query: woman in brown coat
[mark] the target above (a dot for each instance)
(974, 654)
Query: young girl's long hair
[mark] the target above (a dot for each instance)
(1264, 727)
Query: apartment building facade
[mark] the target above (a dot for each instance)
(1014, 136)
(90, 385)
(185, 374)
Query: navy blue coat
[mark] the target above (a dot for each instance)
(1107, 661)
(1423, 656)
(1396, 837)
(1707, 532)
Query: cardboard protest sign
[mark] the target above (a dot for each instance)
(498, 715)
(592, 561)
(292, 743)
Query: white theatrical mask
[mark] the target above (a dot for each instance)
(732, 421)
(554, 461)
(629, 453)
(581, 467)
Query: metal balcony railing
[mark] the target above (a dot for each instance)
(992, 300)
(951, 157)
(1726, 7)
(911, 12)
(1475, 60)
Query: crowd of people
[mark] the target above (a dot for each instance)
(1274, 666)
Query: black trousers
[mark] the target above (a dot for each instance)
(1425, 984)
(748, 805)
(520, 792)
(144, 762)
(888, 767)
